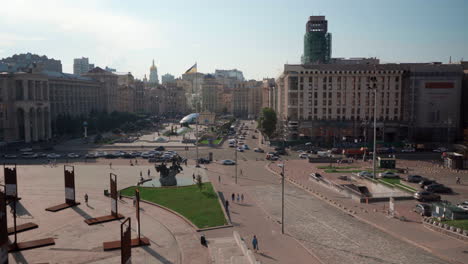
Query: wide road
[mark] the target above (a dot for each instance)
(330, 234)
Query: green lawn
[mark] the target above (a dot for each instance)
(463, 224)
(335, 167)
(200, 207)
(215, 142)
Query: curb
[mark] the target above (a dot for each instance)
(339, 206)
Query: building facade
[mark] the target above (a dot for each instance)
(317, 41)
(108, 96)
(417, 102)
(81, 66)
(167, 78)
(24, 107)
(228, 74)
(211, 94)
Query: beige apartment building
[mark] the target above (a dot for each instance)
(109, 93)
(211, 92)
(336, 101)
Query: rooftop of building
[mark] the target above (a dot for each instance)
(68, 76)
(372, 67)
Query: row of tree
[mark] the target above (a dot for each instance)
(100, 122)
(267, 121)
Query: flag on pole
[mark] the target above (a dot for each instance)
(192, 69)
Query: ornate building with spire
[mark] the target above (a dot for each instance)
(153, 77)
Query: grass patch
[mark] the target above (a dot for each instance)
(463, 224)
(340, 168)
(202, 208)
(341, 171)
(206, 141)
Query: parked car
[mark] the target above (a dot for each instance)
(425, 182)
(408, 150)
(388, 174)
(90, 156)
(54, 156)
(73, 156)
(26, 149)
(245, 147)
(228, 162)
(438, 188)
(274, 158)
(29, 155)
(414, 178)
(423, 209)
(259, 150)
(10, 156)
(101, 154)
(463, 205)
(240, 149)
(160, 148)
(365, 174)
(303, 156)
(203, 161)
(441, 149)
(426, 196)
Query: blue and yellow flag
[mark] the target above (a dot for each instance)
(192, 69)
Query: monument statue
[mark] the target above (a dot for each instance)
(167, 174)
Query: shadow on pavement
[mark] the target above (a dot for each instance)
(156, 255)
(20, 209)
(266, 256)
(81, 212)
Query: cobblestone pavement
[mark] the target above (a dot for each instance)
(335, 237)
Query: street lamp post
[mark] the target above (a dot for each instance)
(235, 157)
(282, 196)
(373, 87)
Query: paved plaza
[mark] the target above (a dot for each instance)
(172, 239)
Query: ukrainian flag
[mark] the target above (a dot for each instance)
(192, 69)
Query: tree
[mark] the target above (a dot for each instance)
(267, 121)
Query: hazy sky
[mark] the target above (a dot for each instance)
(255, 36)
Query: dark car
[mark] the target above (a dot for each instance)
(423, 209)
(414, 178)
(160, 148)
(281, 152)
(426, 196)
(203, 161)
(425, 182)
(438, 188)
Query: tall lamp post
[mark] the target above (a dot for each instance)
(235, 160)
(373, 86)
(282, 196)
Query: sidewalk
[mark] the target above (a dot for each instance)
(249, 219)
(447, 248)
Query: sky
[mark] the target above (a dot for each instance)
(255, 36)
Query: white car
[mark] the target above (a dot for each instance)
(388, 174)
(240, 149)
(463, 205)
(73, 156)
(408, 150)
(228, 162)
(303, 156)
(53, 156)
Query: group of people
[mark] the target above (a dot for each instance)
(240, 197)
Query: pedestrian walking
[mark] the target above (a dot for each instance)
(141, 174)
(86, 198)
(134, 201)
(193, 177)
(233, 197)
(131, 163)
(226, 205)
(136, 162)
(255, 243)
(242, 198)
(458, 180)
(149, 172)
(219, 178)
(238, 198)
(110, 165)
(241, 173)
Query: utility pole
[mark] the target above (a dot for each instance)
(235, 157)
(282, 196)
(373, 86)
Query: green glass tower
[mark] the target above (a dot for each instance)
(317, 41)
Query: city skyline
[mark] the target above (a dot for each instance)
(257, 38)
